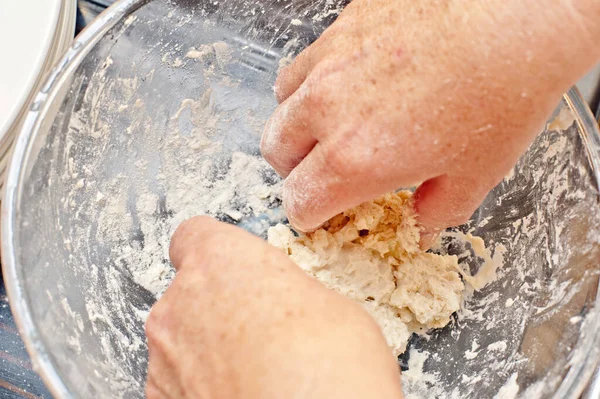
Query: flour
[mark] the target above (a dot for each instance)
(510, 389)
(500, 330)
(371, 254)
(202, 52)
(285, 61)
(153, 143)
(158, 181)
(223, 53)
(198, 174)
(241, 190)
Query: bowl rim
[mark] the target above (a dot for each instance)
(572, 385)
(38, 106)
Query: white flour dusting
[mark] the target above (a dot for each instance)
(510, 389)
(245, 188)
(196, 173)
(162, 155)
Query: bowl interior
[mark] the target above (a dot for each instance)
(158, 118)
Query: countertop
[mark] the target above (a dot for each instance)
(17, 378)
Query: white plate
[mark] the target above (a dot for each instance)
(27, 31)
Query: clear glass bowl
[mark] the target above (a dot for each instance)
(150, 118)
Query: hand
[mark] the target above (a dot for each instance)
(400, 92)
(240, 320)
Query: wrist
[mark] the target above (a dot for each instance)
(531, 50)
(560, 40)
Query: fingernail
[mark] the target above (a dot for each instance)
(429, 239)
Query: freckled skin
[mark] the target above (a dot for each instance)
(394, 93)
(400, 92)
(241, 321)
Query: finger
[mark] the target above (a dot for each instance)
(330, 180)
(428, 239)
(261, 307)
(447, 201)
(221, 250)
(190, 237)
(153, 392)
(292, 76)
(287, 137)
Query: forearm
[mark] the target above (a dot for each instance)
(551, 44)
(572, 37)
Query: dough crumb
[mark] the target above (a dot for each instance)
(371, 254)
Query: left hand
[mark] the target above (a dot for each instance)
(240, 320)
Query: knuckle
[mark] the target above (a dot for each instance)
(283, 82)
(152, 392)
(312, 96)
(317, 89)
(192, 226)
(162, 318)
(323, 70)
(280, 155)
(188, 234)
(458, 219)
(342, 164)
(287, 137)
(207, 247)
(157, 317)
(322, 94)
(154, 329)
(291, 76)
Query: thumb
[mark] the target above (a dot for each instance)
(447, 201)
(223, 249)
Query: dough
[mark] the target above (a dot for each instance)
(371, 254)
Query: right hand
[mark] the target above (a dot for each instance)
(401, 92)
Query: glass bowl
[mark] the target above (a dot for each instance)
(155, 114)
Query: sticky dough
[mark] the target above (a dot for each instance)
(371, 254)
